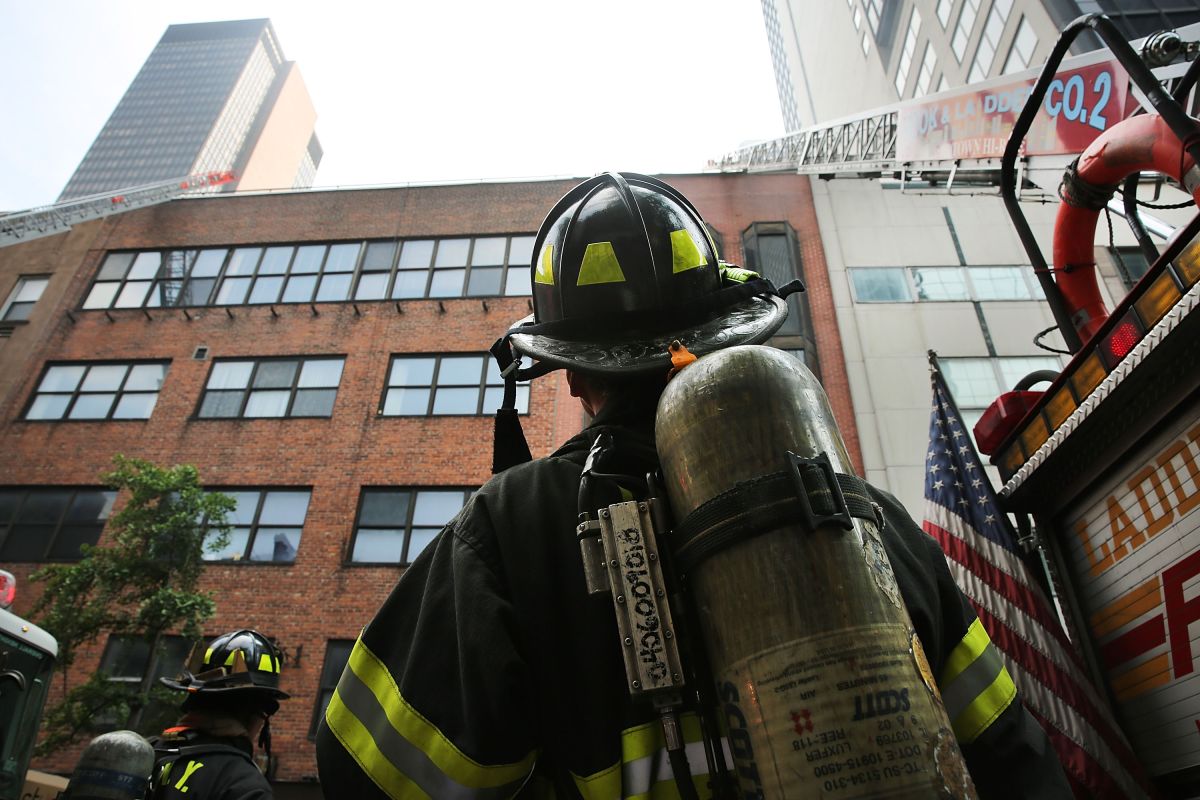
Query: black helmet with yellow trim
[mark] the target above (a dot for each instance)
(239, 663)
(622, 266)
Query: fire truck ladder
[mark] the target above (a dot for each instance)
(22, 226)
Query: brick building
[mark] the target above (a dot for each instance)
(319, 355)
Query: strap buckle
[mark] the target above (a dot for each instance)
(799, 467)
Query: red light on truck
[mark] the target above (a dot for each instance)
(8, 589)
(1001, 418)
(1120, 341)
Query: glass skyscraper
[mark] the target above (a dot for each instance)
(212, 96)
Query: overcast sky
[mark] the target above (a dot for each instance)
(420, 90)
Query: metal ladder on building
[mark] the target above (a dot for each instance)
(22, 226)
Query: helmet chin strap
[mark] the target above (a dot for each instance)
(509, 447)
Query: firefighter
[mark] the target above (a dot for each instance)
(490, 671)
(232, 691)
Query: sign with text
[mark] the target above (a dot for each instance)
(1134, 547)
(1079, 105)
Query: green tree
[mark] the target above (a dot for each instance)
(141, 585)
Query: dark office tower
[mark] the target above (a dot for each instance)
(211, 96)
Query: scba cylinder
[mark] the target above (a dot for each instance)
(821, 681)
(114, 766)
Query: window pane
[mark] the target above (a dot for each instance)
(492, 397)
(411, 372)
(518, 281)
(266, 290)
(416, 253)
(275, 261)
(284, 508)
(125, 657)
(243, 261)
(321, 372)
(275, 374)
(484, 281)
(146, 377)
(342, 257)
(91, 506)
(232, 291)
(44, 506)
(49, 406)
(456, 401)
(299, 288)
(447, 283)
(372, 286)
(230, 375)
(314, 403)
(879, 285)
(208, 263)
(520, 252)
(267, 404)
(382, 508)
(276, 545)
(452, 253)
(101, 296)
(145, 266)
(334, 287)
(245, 507)
(523, 399)
(136, 406)
(29, 290)
(221, 404)
(1012, 370)
(61, 379)
(196, 292)
(115, 266)
(71, 538)
(460, 371)
(409, 283)
(308, 258)
(238, 537)
(91, 406)
(104, 377)
(378, 546)
(972, 381)
(133, 295)
(489, 251)
(940, 283)
(418, 540)
(406, 402)
(436, 508)
(24, 543)
(379, 256)
(999, 283)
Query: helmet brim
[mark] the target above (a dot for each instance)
(171, 683)
(631, 352)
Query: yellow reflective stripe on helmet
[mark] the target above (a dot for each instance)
(267, 664)
(975, 686)
(599, 265)
(208, 656)
(545, 269)
(645, 769)
(684, 253)
(401, 751)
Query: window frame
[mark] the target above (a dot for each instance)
(18, 287)
(50, 541)
(249, 388)
(413, 491)
(118, 394)
(432, 386)
(325, 688)
(969, 276)
(153, 666)
(256, 526)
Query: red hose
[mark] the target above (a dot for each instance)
(1141, 143)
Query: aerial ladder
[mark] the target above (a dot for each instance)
(23, 226)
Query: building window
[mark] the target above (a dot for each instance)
(935, 284)
(1020, 54)
(468, 385)
(1131, 263)
(857, 18)
(97, 391)
(265, 526)
(925, 76)
(962, 31)
(874, 14)
(51, 524)
(395, 525)
(129, 660)
(20, 301)
(989, 42)
(483, 266)
(907, 51)
(866, 45)
(337, 653)
(944, 7)
(273, 387)
(976, 382)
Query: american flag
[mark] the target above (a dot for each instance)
(981, 548)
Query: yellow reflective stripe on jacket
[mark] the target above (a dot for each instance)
(402, 752)
(644, 772)
(975, 686)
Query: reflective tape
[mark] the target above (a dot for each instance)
(644, 771)
(976, 687)
(545, 269)
(599, 265)
(402, 752)
(684, 253)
